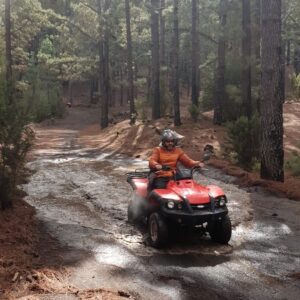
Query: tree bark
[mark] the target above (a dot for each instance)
(155, 60)
(162, 33)
(257, 49)
(104, 79)
(70, 92)
(272, 153)
(257, 28)
(219, 97)
(135, 78)
(176, 103)
(93, 89)
(288, 52)
(8, 52)
(121, 88)
(195, 53)
(246, 59)
(129, 65)
(297, 59)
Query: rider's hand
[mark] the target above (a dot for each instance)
(158, 167)
(201, 165)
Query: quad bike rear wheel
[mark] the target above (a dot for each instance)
(220, 230)
(158, 230)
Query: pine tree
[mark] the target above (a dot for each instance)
(246, 59)
(195, 53)
(272, 153)
(155, 59)
(129, 64)
(219, 97)
(176, 103)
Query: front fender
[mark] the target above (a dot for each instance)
(215, 191)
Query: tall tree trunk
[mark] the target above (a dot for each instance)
(297, 59)
(272, 93)
(195, 53)
(257, 49)
(9, 88)
(177, 121)
(112, 94)
(70, 92)
(93, 89)
(135, 78)
(170, 66)
(162, 33)
(288, 52)
(219, 97)
(257, 33)
(5, 201)
(106, 80)
(162, 55)
(104, 63)
(101, 59)
(246, 59)
(149, 84)
(155, 60)
(121, 88)
(129, 65)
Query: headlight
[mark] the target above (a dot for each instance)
(222, 201)
(171, 204)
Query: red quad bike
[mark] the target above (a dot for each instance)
(183, 202)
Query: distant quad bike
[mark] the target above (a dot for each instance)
(184, 202)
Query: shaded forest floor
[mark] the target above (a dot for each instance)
(30, 260)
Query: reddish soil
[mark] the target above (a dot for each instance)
(30, 260)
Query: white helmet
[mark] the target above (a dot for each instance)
(169, 135)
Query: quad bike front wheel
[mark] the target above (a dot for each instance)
(158, 230)
(220, 230)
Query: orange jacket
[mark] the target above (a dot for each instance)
(161, 156)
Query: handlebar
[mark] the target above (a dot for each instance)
(166, 168)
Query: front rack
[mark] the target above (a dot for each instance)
(138, 173)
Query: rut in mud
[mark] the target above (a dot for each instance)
(81, 196)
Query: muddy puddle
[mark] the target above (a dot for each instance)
(81, 196)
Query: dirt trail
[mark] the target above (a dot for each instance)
(79, 191)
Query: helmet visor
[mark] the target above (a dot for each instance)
(169, 141)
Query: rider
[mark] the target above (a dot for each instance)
(169, 154)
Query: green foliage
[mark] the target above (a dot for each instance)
(233, 102)
(206, 100)
(295, 81)
(16, 138)
(194, 111)
(293, 164)
(207, 83)
(42, 95)
(233, 106)
(47, 102)
(244, 141)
